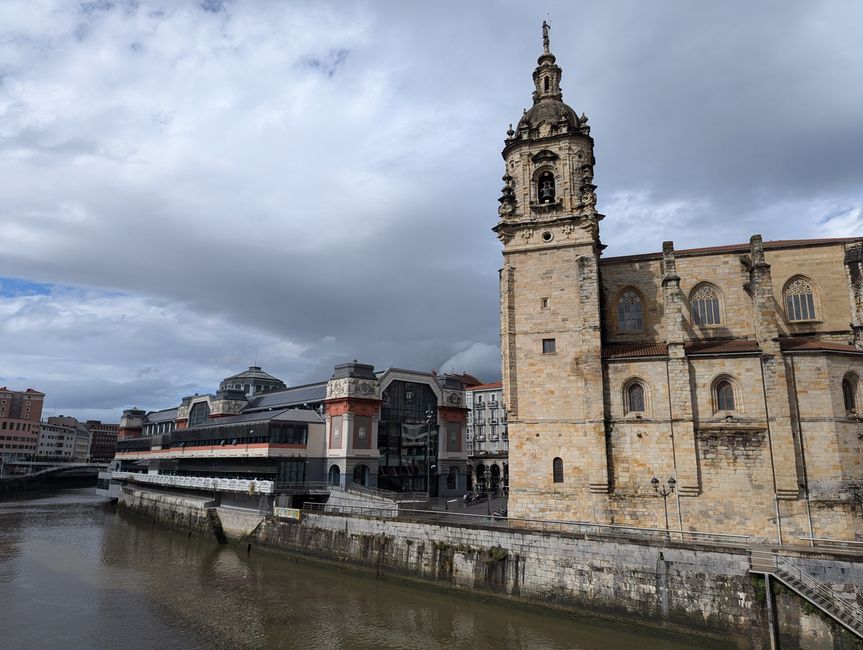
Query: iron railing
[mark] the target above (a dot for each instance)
(820, 594)
(543, 525)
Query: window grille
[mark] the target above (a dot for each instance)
(549, 346)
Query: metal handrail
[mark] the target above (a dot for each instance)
(794, 570)
(581, 526)
(386, 494)
(833, 542)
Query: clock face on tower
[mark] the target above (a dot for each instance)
(454, 399)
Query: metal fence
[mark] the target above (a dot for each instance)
(524, 524)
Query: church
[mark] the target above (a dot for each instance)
(713, 389)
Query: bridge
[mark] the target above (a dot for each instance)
(48, 469)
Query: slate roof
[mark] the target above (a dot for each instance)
(289, 415)
(297, 396)
(165, 415)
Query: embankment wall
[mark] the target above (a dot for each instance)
(682, 586)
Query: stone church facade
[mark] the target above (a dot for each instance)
(733, 370)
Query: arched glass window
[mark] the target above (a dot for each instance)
(705, 306)
(199, 413)
(800, 300)
(629, 312)
(724, 396)
(557, 470)
(635, 398)
(849, 393)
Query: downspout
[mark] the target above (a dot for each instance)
(770, 448)
(802, 450)
(673, 452)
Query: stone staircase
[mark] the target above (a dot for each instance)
(821, 595)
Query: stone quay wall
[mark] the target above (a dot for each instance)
(679, 586)
(686, 587)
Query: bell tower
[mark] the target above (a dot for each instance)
(550, 313)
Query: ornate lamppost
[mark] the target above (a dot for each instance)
(664, 493)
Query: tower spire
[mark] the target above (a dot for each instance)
(545, 42)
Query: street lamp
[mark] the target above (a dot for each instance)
(664, 493)
(429, 417)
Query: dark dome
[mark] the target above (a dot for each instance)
(549, 111)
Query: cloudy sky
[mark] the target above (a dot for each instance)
(186, 187)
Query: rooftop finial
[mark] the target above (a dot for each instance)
(545, 28)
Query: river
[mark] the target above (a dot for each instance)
(75, 574)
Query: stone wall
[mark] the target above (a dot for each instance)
(678, 586)
(670, 585)
(177, 511)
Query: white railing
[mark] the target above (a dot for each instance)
(199, 482)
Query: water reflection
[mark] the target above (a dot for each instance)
(75, 574)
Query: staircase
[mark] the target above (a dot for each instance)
(807, 586)
(216, 526)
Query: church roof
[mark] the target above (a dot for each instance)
(732, 248)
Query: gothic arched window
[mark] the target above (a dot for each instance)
(849, 393)
(705, 305)
(635, 397)
(724, 395)
(199, 414)
(800, 300)
(545, 188)
(629, 312)
(557, 470)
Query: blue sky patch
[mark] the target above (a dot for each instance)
(11, 287)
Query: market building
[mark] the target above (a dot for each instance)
(395, 429)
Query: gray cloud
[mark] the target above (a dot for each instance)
(310, 183)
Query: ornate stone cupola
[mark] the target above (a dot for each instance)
(549, 165)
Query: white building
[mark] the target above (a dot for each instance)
(56, 441)
(487, 440)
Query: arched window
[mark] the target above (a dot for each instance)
(545, 188)
(629, 312)
(557, 470)
(199, 414)
(635, 398)
(800, 300)
(705, 305)
(545, 83)
(849, 393)
(724, 395)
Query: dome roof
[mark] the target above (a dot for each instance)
(549, 111)
(256, 379)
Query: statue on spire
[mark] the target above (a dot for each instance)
(545, 46)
